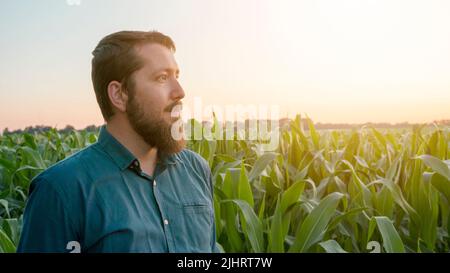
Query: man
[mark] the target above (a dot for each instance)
(136, 189)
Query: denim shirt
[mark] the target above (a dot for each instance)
(99, 200)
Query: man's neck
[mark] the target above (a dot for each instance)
(126, 135)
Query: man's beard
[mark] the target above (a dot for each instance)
(152, 127)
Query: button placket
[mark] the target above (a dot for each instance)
(164, 218)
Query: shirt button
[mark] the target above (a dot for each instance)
(166, 222)
(154, 183)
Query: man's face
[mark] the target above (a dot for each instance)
(154, 93)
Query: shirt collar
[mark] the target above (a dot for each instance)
(121, 155)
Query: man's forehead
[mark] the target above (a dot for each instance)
(157, 57)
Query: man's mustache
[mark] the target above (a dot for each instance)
(170, 107)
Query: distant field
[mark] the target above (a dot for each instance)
(360, 190)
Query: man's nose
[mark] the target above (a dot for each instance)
(177, 91)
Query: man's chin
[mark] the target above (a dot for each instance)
(174, 148)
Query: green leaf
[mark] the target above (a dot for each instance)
(379, 137)
(244, 188)
(33, 157)
(254, 230)
(260, 164)
(331, 246)
(314, 226)
(292, 195)
(229, 213)
(217, 216)
(361, 161)
(5, 203)
(262, 208)
(12, 228)
(436, 165)
(384, 202)
(314, 135)
(397, 194)
(391, 240)
(29, 139)
(276, 238)
(6, 245)
(441, 184)
(231, 183)
(352, 148)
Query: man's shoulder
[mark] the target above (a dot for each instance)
(191, 155)
(194, 159)
(70, 169)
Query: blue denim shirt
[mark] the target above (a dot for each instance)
(99, 200)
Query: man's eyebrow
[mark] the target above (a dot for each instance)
(168, 70)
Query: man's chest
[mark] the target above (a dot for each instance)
(171, 213)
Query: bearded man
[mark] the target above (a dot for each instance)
(137, 189)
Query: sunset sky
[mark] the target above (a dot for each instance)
(340, 61)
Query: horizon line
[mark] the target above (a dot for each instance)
(445, 122)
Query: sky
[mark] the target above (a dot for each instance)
(337, 61)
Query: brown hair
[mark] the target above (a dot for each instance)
(115, 60)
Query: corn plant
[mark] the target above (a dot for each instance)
(365, 190)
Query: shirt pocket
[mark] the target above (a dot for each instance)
(196, 208)
(193, 228)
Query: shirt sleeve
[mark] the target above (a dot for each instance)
(47, 225)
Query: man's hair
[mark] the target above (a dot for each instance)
(115, 59)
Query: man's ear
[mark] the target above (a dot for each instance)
(117, 97)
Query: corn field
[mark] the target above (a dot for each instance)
(365, 190)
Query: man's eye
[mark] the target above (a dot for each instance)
(162, 78)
